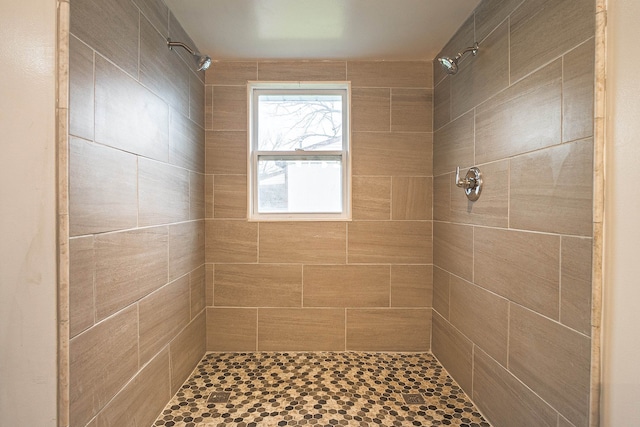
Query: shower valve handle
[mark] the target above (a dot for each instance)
(471, 183)
(466, 182)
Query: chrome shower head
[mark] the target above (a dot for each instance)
(204, 61)
(450, 65)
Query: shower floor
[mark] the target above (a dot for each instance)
(323, 389)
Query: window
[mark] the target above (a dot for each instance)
(299, 151)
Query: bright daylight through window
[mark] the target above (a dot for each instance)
(299, 151)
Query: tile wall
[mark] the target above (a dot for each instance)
(136, 212)
(359, 285)
(512, 271)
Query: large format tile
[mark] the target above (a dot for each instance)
(453, 145)
(232, 329)
(230, 196)
(102, 189)
(197, 283)
(441, 282)
(504, 399)
(80, 89)
(186, 247)
(411, 285)
(482, 316)
(371, 109)
(453, 350)
(441, 103)
(186, 350)
(157, 13)
(575, 280)
(81, 271)
(163, 193)
(229, 111)
(371, 197)
(196, 100)
(129, 116)
(162, 315)
(108, 352)
(186, 143)
(231, 241)
(257, 285)
(553, 361)
(392, 242)
(442, 187)
(404, 74)
(411, 110)
(303, 242)
(392, 154)
(577, 92)
(115, 38)
(196, 196)
(483, 75)
(226, 152)
(490, 13)
(541, 30)
(346, 285)
(412, 198)
(302, 70)
(453, 248)
(232, 73)
(522, 267)
(525, 117)
(296, 329)
(392, 329)
(559, 199)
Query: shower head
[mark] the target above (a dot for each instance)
(450, 65)
(204, 61)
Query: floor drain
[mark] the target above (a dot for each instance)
(413, 399)
(219, 397)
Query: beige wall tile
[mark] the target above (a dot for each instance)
(230, 196)
(441, 292)
(370, 109)
(81, 272)
(80, 89)
(442, 186)
(481, 316)
(108, 351)
(303, 242)
(226, 153)
(186, 247)
(186, 351)
(162, 70)
(453, 145)
(544, 29)
(393, 242)
(411, 285)
(102, 188)
(575, 281)
(441, 103)
(295, 329)
(559, 200)
(258, 285)
(412, 198)
(208, 196)
(196, 101)
(392, 329)
(231, 241)
(162, 315)
(145, 396)
(490, 13)
(503, 399)
(163, 193)
(87, 22)
(196, 196)
(482, 76)
(387, 154)
(523, 267)
(302, 70)
(232, 329)
(209, 273)
(128, 116)
(411, 110)
(186, 143)
(453, 350)
(406, 74)
(464, 37)
(176, 32)
(578, 92)
(346, 285)
(197, 281)
(208, 107)
(552, 360)
(525, 117)
(229, 111)
(492, 208)
(129, 265)
(234, 73)
(157, 13)
(453, 248)
(371, 197)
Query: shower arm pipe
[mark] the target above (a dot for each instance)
(182, 45)
(473, 49)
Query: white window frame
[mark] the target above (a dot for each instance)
(254, 89)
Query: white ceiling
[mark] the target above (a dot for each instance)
(321, 29)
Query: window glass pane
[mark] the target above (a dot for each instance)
(294, 121)
(300, 185)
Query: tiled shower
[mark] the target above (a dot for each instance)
(164, 265)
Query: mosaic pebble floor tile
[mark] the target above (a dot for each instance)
(320, 389)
